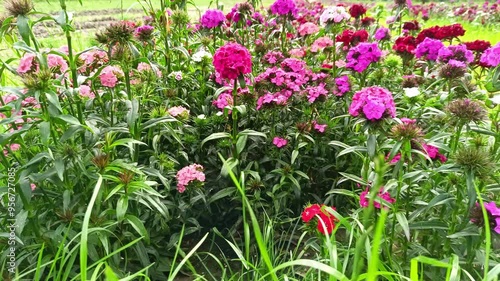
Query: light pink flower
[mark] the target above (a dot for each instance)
(27, 63)
(178, 111)
(109, 76)
(308, 28)
(319, 127)
(57, 63)
(189, 174)
(85, 91)
(321, 43)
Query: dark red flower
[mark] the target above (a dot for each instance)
(477, 45)
(405, 45)
(411, 25)
(357, 10)
(367, 21)
(352, 38)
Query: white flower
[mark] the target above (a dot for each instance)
(411, 92)
(334, 14)
(496, 99)
(198, 56)
(201, 116)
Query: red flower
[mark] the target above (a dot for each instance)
(326, 221)
(405, 45)
(351, 38)
(310, 212)
(357, 10)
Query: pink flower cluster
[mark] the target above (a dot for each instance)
(57, 63)
(374, 103)
(178, 111)
(212, 18)
(321, 43)
(223, 100)
(308, 28)
(109, 75)
(326, 221)
(381, 196)
(189, 174)
(342, 85)
(361, 56)
(27, 63)
(279, 142)
(273, 57)
(92, 60)
(232, 60)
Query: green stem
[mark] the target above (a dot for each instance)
(487, 230)
(234, 116)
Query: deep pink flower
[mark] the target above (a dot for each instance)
(284, 8)
(382, 196)
(428, 49)
(383, 33)
(212, 18)
(374, 103)
(319, 127)
(362, 55)
(279, 142)
(325, 222)
(232, 60)
(491, 56)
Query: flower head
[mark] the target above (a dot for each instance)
(374, 103)
(383, 33)
(189, 174)
(334, 14)
(279, 142)
(491, 56)
(428, 49)
(325, 222)
(357, 10)
(232, 60)
(212, 18)
(144, 32)
(362, 55)
(284, 8)
(382, 195)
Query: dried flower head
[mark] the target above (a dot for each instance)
(126, 177)
(101, 161)
(245, 8)
(452, 70)
(17, 8)
(466, 110)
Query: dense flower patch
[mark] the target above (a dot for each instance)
(377, 138)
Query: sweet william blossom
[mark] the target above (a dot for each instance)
(189, 174)
(279, 142)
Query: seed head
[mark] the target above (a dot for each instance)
(466, 110)
(17, 8)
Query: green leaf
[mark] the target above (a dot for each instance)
(295, 153)
(44, 128)
(254, 133)
(138, 226)
(59, 165)
(24, 28)
(221, 194)
(354, 178)
(371, 145)
(241, 81)
(121, 208)
(241, 143)
(110, 275)
(69, 119)
(432, 224)
(54, 101)
(215, 136)
(404, 224)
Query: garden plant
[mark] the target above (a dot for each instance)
(288, 140)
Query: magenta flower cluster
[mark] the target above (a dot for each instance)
(383, 33)
(455, 52)
(212, 18)
(342, 84)
(491, 56)
(284, 7)
(429, 49)
(361, 56)
(374, 103)
(189, 174)
(232, 60)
